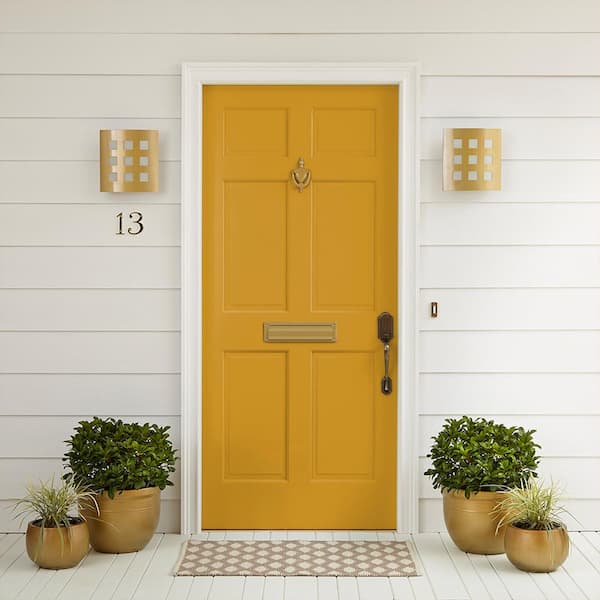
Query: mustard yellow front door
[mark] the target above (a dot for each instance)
(298, 434)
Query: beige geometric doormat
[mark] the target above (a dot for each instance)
(294, 558)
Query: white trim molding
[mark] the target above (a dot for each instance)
(194, 77)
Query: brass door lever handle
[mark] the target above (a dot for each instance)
(385, 332)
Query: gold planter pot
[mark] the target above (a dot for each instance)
(126, 522)
(536, 551)
(48, 552)
(470, 524)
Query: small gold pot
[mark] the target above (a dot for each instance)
(126, 522)
(470, 524)
(536, 551)
(48, 552)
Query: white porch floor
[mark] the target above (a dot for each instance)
(448, 574)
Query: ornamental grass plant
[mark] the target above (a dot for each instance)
(533, 505)
(55, 505)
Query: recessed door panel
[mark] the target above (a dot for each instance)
(296, 433)
(255, 131)
(344, 131)
(255, 241)
(343, 237)
(255, 401)
(343, 415)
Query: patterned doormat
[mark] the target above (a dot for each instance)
(294, 558)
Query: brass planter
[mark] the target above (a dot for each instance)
(48, 552)
(470, 524)
(126, 522)
(536, 551)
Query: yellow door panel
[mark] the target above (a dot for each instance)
(250, 131)
(343, 245)
(255, 250)
(297, 435)
(343, 415)
(261, 377)
(332, 135)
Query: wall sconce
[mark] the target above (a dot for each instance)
(128, 160)
(472, 159)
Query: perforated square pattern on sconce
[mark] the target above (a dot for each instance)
(128, 160)
(472, 159)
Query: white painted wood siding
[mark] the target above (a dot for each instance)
(440, 54)
(516, 277)
(283, 16)
(89, 320)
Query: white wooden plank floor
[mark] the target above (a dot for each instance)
(448, 574)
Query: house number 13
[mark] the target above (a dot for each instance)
(135, 218)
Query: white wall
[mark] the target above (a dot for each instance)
(89, 321)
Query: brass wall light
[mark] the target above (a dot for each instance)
(128, 160)
(472, 159)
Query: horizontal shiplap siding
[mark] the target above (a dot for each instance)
(89, 97)
(316, 16)
(89, 310)
(89, 352)
(105, 394)
(89, 321)
(516, 275)
(75, 182)
(52, 139)
(523, 182)
(89, 267)
(509, 393)
(35, 225)
(482, 54)
(510, 266)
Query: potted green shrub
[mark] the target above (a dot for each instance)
(472, 460)
(127, 464)
(57, 537)
(536, 539)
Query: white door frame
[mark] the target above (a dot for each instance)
(194, 76)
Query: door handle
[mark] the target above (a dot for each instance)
(385, 332)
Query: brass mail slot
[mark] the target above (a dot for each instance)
(299, 332)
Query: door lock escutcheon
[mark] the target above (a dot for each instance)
(385, 332)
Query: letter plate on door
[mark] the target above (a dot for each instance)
(299, 332)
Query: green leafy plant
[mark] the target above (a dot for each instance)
(532, 505)
(478, 454)
(108, 454)
(55, 505)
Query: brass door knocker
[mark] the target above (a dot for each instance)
(301, 175)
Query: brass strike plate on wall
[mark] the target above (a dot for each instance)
(299, 332)
(433, 310)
